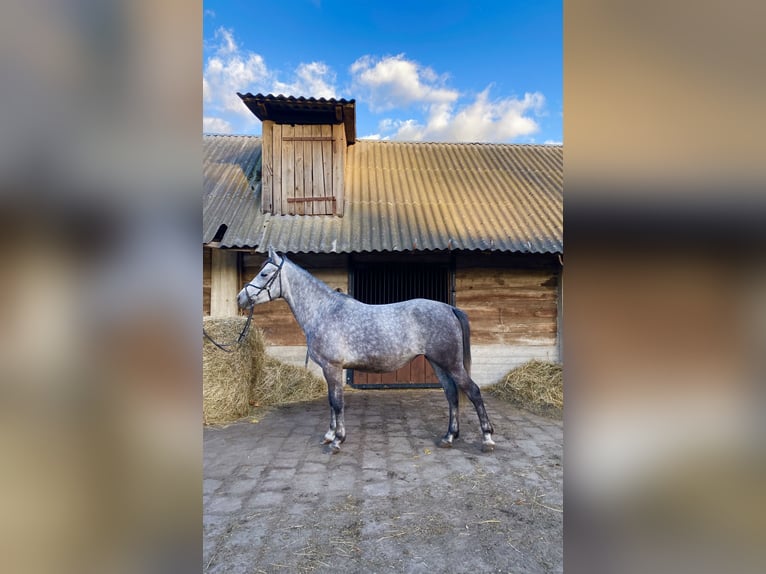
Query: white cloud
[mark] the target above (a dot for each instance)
(313, 80)
(231, 69)
(216, 126)
(395, 82)
(552, 142)
(482, 120)
(227, 44)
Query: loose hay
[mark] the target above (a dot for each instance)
(279, 383)
(226, 376)
(536, 385)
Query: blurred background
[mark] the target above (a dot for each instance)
(100, 218)
(664, 286)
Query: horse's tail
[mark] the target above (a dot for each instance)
(465, 327)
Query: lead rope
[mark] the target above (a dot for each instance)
(239, 339)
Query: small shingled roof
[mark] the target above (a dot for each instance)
(400, 196)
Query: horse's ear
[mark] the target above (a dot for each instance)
(274, 256)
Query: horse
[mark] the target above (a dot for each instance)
(344, 333)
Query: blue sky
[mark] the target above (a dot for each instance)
(481, 71)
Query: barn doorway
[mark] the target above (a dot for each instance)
(390, 282)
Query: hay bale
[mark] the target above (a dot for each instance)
(258, 345)
(278, 383)
(536, 385)
(226, 376)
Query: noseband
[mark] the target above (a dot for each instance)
(267, 286)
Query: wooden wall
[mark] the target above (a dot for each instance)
(302, 169)
(207, 263)
(509, 306)
(508, 301)
(511, 301)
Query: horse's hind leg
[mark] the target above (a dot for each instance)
(450, 389)
(337, 432)
(470, 388)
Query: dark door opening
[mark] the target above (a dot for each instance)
(381, 283)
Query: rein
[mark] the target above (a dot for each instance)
(238, 340)
(266, 287)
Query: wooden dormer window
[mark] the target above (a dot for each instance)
(303, 153)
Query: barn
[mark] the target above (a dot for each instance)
(478, 226)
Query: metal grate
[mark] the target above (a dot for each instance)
(393, 282)
(382, 283)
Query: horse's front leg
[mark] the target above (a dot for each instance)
(337, 432)
(329, 436)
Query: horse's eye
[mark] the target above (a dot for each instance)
(264, 274)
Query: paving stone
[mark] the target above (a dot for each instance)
(276, 500)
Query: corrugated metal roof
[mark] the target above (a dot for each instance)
(399, 197)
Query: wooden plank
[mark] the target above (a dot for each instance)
(308, 170)
(300, 208)
(327, 167)
(318, 176)
(338, 165)
(307, 138)
(278, 324)
(430, 376)
(224, 283)
(288, 171)
(418, 369)
(267, 166)
(309, 199)
(207, 264)
(509, 306)
(388, 378)
(276, 195)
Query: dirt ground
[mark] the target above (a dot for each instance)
(275, 500)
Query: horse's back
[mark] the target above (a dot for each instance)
(384, 337)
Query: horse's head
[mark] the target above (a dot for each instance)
(266, 285)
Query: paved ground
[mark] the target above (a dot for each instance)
(275, 500)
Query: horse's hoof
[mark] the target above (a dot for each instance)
(334, 448)
(444, 443)
(488, 447)
(326, 440)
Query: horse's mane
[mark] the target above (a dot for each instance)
(310, 278)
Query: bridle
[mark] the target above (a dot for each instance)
(265, 287)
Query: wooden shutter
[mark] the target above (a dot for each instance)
(303, 169)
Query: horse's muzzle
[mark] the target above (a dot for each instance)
(243, 300)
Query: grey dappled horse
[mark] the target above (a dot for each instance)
(343, 333)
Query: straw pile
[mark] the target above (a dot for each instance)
(247, 377)
(537, 386)
(226, 377)
(280, 383)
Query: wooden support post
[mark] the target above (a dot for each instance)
(224, 283)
